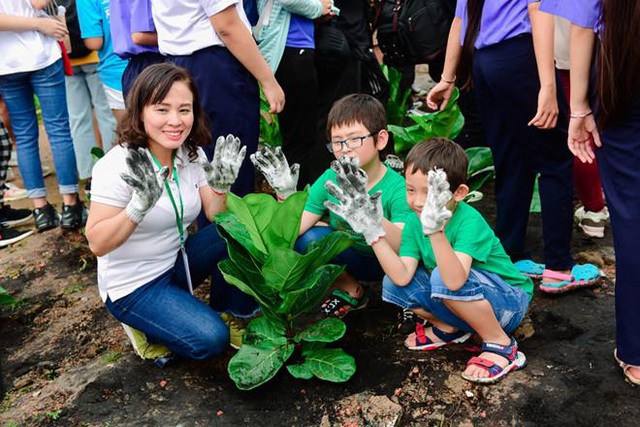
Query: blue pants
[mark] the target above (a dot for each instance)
(168, 314)
(619, 161)
(506, 83)
(136, 65)
(427, 292)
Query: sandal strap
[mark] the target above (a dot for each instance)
(344, 296)
(493, 368)
(551, 274)
(447, 336)
(509, 352)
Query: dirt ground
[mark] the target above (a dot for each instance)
(64, 361)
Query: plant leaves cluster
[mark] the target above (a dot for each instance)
(269, 125)
(260, 234)
(6, 298)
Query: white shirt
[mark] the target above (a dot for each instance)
(183, 26)
(24, 51)
(561, 42)
(154, 245)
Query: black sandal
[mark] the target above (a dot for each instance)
(340, 303)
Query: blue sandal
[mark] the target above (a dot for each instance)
(530, 268)
(423, 342)
(581, 275)
(516, 359)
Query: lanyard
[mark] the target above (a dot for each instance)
(179, 217)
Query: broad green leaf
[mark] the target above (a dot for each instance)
(284, 268)
(480, 160)
(262, 329)
(327, 248)
(248, 212)
(5, 298)
(238, 232)
(311, 291)
(300, 371)
(255, 364)
(326, 330)
(269, 125)
(236, 276)
(536, 206)
(284, 225)
(397, 103)
(330, 364)
(311, 346)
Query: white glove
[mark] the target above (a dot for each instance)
(223, 170)
(435, 213)
(363, 212)
(147, 184)
(274, 166)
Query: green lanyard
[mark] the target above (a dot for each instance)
(179, 217)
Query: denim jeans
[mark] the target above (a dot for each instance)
(427, 292)
(84, 89)
(48, 85)
(168, 314)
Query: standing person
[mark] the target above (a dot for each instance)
(95, 27)
(154, 181)
(612, 119)
(212, 40)
(492, 43)
(39, 73)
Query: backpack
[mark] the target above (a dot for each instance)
(78, 49)
(413, 31)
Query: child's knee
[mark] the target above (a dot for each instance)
(470, 291)
(309, 236)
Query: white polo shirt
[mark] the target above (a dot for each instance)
(183, 26)
(24, 51)
(153, 247)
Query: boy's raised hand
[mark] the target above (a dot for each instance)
(274, 166)
(146, 183)
(223, 170)
(435, 213)
(363, 212)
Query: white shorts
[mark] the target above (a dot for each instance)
(114, 98)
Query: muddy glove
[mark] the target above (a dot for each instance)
(363, 212)
(223, 170)
(435, 213)
(147, 184)
(274, 166)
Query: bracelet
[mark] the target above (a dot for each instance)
(580, 115)
(447, 81)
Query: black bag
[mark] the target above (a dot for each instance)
(78, 49)
(413, 31)
(331, 44)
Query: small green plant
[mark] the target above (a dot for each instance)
(480, 168)
(6, 299)
(112, 357)
(397, 104)
(269, 125)
(260, 234)
(53, 415)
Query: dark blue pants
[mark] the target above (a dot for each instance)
(135, 66)
(230, 98)
(506, 82)
(619, 161)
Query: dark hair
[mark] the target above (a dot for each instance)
(618, 60)
(474, 16)
(441, 153)
(357, 108)
(151, 87)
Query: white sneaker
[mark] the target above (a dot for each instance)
(13, 192)
(591, 223)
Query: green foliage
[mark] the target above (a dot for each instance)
(260, 233)
(6, 299)
(536, 206)
(480, 168)
(397, 104)
(447, 123)
(269, 126)
(97, 153)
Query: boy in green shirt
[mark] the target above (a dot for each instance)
(356, 127)
(451, 269)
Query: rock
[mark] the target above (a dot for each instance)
(381, 411)
(365, 409)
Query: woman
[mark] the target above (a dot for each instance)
(145, 193)
(615, 129)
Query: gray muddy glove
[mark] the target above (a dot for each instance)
(363, 212)
(223, 170)
(435, 213)
(274, 166)
(147, 184)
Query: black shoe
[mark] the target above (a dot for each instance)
(10, 217)
(46, 217)
(74, 216)
(9, 236)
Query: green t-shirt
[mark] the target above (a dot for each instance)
(394, 202)
(469, 233)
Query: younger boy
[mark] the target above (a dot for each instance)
(451, 269)
(356, 127)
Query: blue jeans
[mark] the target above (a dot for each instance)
(48, 85)
(509, 303)
(168, 314)
(361, 266)
(84, 89)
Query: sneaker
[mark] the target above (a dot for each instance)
(144, 348)
(74, 216)
(10, 217)
(9, 236)
(46, 217)
(13, 160)
(13, 192)
(237, 329)
(591, 223)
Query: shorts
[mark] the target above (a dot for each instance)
(114, 98)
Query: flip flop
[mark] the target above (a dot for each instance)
(582, 275)
(530, 268)
(625, 369)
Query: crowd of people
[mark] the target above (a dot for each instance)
(171, 92)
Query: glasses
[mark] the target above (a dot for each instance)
(350, 143)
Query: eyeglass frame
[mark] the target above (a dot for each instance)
(345, 142)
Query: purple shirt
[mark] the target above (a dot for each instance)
(585, 13)
(501, 20)
(300, 32)
(130, 16)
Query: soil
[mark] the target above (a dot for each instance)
(65, 361)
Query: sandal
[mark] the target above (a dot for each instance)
(407, 321)
(581, 275)
(516, 359)
(340, 303)
(530, 268)
(423, 342)
(625, 369)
